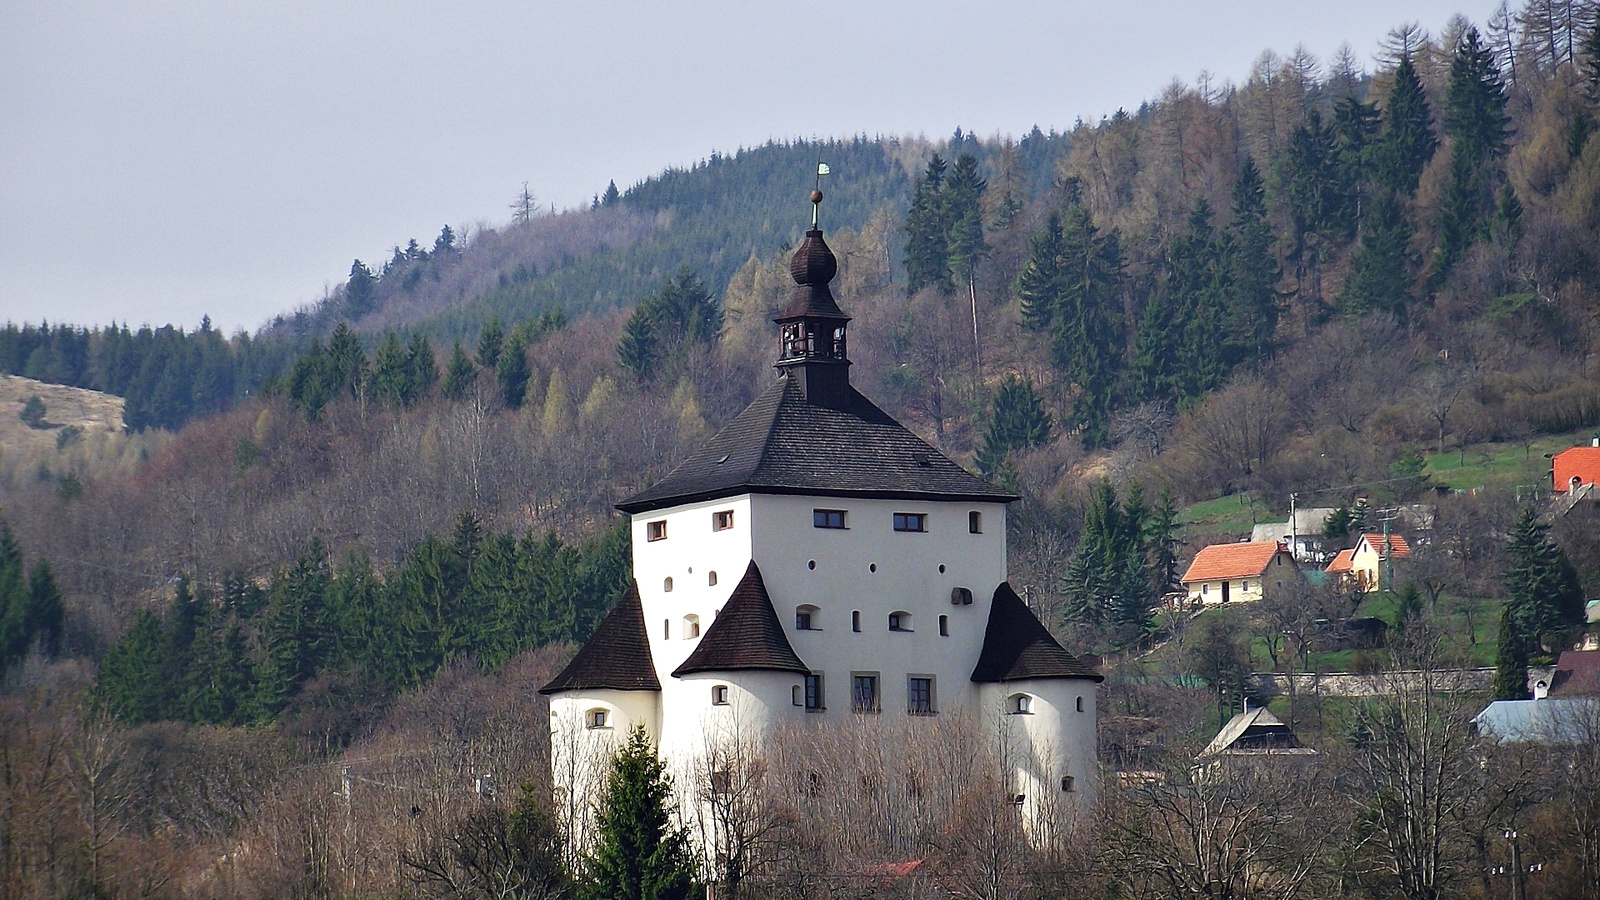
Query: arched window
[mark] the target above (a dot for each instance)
(1080, 704)
(597, 718)
(667, 585)
(806, 618)
(712, 579)
(691, 627)
(900, 620)
(1019, 705)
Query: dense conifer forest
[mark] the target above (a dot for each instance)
(357, 540)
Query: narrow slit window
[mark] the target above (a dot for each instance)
(975, 522)
(855, 620)
(813, 692)
(944, 626)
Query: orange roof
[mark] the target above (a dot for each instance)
(1341, 562)
(1398, 548)
(1221, 561)
(1582, 463)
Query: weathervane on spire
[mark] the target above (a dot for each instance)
(816, 193)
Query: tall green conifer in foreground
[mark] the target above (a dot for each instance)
(459, 375)
(1018, 421)
(1511, 660)
(639, 854)
(1543, 594)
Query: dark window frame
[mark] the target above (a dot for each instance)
(655, 531)
(833, 519)
(920, 696)
(911, 523)
(866, 695)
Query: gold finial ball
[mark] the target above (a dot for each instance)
(816, 196)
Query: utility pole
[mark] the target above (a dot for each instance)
(1294, 533)
(1517, 871)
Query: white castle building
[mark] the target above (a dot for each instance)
(816, 560)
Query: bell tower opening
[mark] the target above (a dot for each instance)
(812, 330)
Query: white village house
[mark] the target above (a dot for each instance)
(815, 560)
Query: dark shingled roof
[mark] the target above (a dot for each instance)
(617, 656)
(746, 635)
(783, 444)
(1017, 646)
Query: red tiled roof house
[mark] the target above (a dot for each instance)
(1239, 573)
(1575, 468)
(1369, 565)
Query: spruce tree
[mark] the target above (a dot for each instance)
(1408, 141)
(491, 340)
(512, 373)
(612, 195)
(1252, 272)
(1357, 128)
(1475, 119)
(134, 680)
(1510, 660)
(1179, 347)
(1108, 583)
(46, 617)
(359, 291)
(346, 363)
(1543, 593)
(460, 374)
(636, 348)
(928, 232)
(390, 375)
(639, 854)
(422, 369)
(1071, 289)
(1381, 265)
(1018, 421)
(965, 247)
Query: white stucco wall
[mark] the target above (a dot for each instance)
(1054, 738)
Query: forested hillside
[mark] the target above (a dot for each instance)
(1325, 283)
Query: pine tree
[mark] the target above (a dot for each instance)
(512, 373)
(491, 340)
(1357, 130)
(612, 195)
(134, 681)
(46, 618)
(1511, 660)
(639, 854)
(928, 232)
(965, 246)
(1543, 594)
(1178, 353)
(1408, 141)
(460, 374)
(294, 633)
(346, 362)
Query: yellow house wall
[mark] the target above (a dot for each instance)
(1275, 576)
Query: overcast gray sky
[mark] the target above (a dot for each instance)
(167, 159)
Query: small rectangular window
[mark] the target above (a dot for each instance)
(827, 518)
(864, 692)
(1067, 784)
(919, 695)
(802, 621)
(910, 522)
(656, 531)
(944, 626)
(975, 522)
(719, 695)
(722, 521)
(813, 688)
(855, 620)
